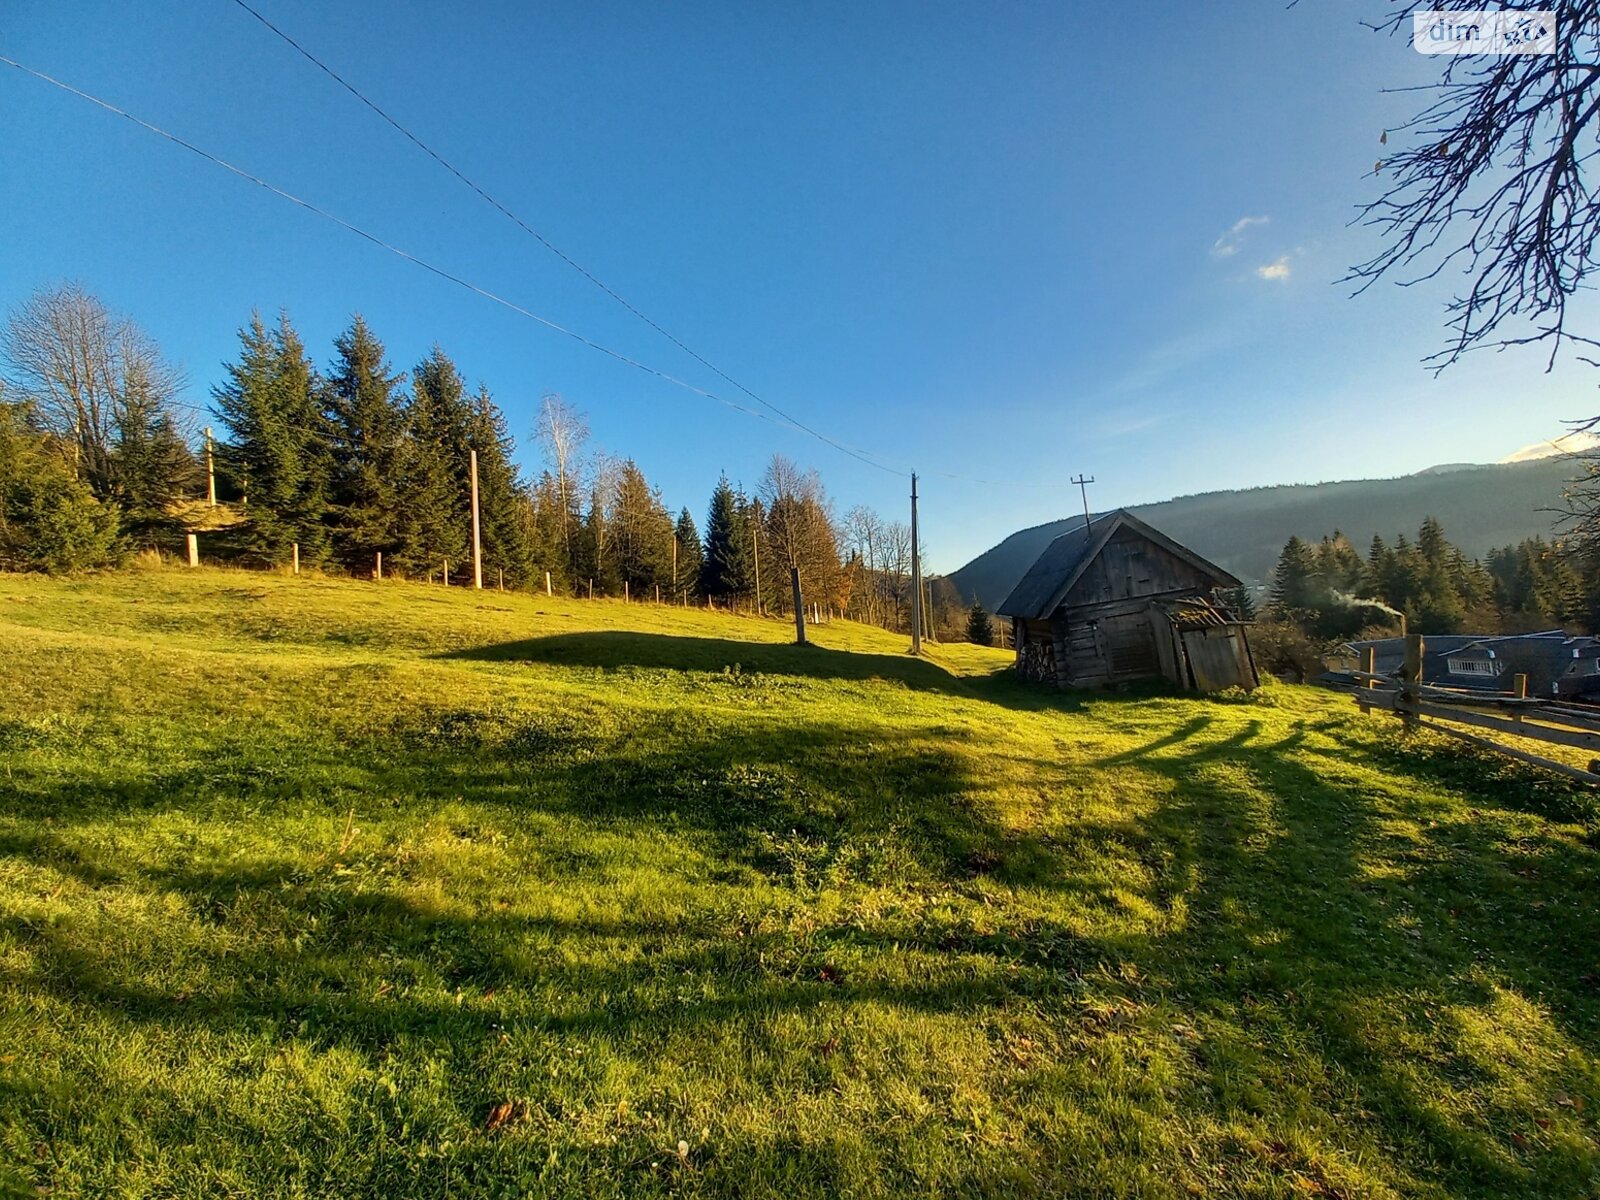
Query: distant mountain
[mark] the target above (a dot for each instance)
(1482, 507)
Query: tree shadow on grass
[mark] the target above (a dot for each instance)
(616, 650)
(1305, 971)
(1291, 930)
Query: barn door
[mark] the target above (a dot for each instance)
(1131, 646)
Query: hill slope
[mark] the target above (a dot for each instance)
(1482, 507)
(340, 889)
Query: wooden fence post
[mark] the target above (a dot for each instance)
(625, 596)
(297, 558)
(194, 550)
(502, 571)
(1519, 689)
(547, 590)
(446, 572)
(1369, 664)
(799, 607)
(1411, 687)
(377, 570)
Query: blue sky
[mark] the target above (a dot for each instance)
(1002, 242)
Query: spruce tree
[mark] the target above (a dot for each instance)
(368, 428)
(49, 517)
(436, 520)
(277, 445)
(150, 466)
(1292, 579)
(980, 629)
(642, 532)
(691, 556)
(504, 514)
(1240, 601)
(727, 571)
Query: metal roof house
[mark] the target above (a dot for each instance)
(1115, 600)
(1555, 663)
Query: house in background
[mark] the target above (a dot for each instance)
(1555, 663)
(1116, 601)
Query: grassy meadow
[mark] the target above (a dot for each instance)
(335, 889)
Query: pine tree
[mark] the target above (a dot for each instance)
(49, 518)
(549, 537)
(368, 428)
(150, 466)
(1292, 579)
(727, 571)
(643, 533)
(980, 629)
(691, 557)
(1240, 601)
(1431, 543)
(277, 447)
(503, 506)
(436, 522)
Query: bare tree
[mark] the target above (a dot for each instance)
(800, 520)
(863, 532)
(563, 432)
(1492, 183)
(89, 374)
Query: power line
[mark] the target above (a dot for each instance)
(441, 272)
(544, 241)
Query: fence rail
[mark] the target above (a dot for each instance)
(1510, 714)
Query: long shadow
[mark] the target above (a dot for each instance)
(616, 650)
(1300, 935)
(1290, 944)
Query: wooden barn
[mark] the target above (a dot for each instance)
(1115, 600)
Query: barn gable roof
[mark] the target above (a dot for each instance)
(1041, 591)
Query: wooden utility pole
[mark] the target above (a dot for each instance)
(477, 546)
(377, 570)
(547, 590)
(916, 575)
(755, 541)
(799, 607)
(446, 572)
(502, 571)
(1083, 483)
(297, 558)
(211, 473)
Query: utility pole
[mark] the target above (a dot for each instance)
(755, 541)
(916, 575)
(799, 607)
(477, 546)
(1083, 486)
(211, 473)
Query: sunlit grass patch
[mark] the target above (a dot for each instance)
(321, 888)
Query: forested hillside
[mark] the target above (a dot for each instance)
(1483, 507)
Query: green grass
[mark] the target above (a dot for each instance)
(311, 888)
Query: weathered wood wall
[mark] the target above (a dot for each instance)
(1130, 567)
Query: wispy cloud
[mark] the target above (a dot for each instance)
(1229, 243)
(1276, 270)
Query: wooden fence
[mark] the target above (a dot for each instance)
(1510, 714)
